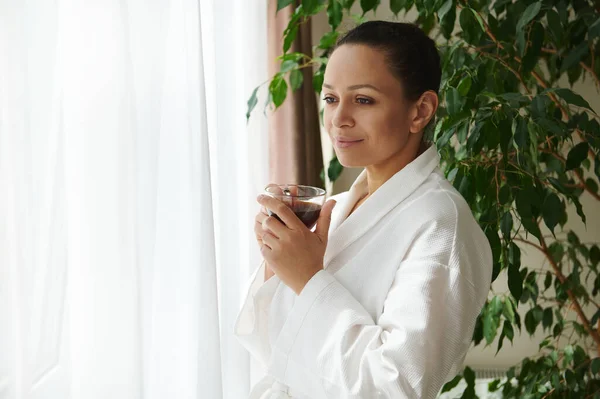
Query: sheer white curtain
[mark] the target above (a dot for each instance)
(127, 184)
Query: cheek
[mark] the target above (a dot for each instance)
(327, 116)
(389, 128)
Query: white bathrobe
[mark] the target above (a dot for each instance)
(392, 313)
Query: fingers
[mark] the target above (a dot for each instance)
(265, 225)
(322, 229)
(270, 240)
(258, 229)
(283, 211)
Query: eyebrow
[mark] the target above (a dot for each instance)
(355, 87)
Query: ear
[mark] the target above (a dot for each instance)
(424, 109)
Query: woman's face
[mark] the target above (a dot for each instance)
(366, 116)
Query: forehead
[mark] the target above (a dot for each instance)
(358, 64)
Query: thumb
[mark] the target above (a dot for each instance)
(322, 229)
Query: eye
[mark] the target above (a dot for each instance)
(329, 99)
(364, 101)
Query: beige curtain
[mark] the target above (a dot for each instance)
(295, 153)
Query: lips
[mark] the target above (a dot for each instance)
(345, 142)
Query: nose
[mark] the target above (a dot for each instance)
(342, 116)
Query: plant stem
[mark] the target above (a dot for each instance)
(588, 68)
(537, 77)
(577, 174)
(561, 277)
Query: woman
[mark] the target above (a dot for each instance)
(380, 301)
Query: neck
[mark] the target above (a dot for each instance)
(378, 174)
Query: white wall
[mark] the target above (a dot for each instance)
(523, 345)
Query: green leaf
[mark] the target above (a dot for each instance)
(521, 42)
(530, 13)
(453, 101)
(571, 97)
(557, 184)
(508, 310)
(493, 385)
(552, 209)
(328, 40)
(594, 254)
(500, 341)
(451, 384)
(506, 225)
(469, 376)
(594, 30)
(555, 26)
(574, 74)
(252, 101)
(296, 79)
(464, 86)
(296, 57)
(396, 6)
(547, 280)
(283, 3)
(508, 330)
(515, 281)
(579, 208)
(496, 306)
(569, 352)
(521, 134)
(574, 57)
(318, 79)
(530, 322)
(547, 318)
(287, 66)
(289, 38)
(490, 326)
(469, 21)
(536, 36)
(368, 5)
(447, 18)
(514, 255)
(334, 13)
(595, 367)
(478, 330)
(443, 10)
(577, 155)
(526, 209)
(573, 239)
(335, 169)
(311, 6)
(592, 185)
(278, 89)
(443, 140)
(504, 194)
(347, 4)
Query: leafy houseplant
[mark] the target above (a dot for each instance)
(520, 149)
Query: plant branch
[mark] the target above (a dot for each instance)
(576, 173)
(588, 68)
(537, 77)
(563, 280)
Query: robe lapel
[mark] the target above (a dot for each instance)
(347, 229)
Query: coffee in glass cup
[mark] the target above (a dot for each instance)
(305, 201)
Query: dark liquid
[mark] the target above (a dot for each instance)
(307, 212)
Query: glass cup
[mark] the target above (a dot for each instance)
(305, 201)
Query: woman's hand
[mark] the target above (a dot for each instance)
(259, 232)
(293, 252)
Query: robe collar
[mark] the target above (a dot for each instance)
(344, 229)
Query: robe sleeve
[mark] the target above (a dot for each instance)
(251, 326)
(418, 343)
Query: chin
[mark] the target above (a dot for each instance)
(350, 162)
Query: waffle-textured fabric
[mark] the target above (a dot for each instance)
(392, 313)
